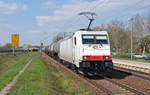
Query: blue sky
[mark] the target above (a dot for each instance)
(37, 20)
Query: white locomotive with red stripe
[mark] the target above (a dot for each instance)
(86, 51)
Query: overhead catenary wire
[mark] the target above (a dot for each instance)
(84, 9)
(130, 7)
(126, 9)
(123, 14)
(145, 7)
(98, 4)
(71, 24)
(102, 2)
(142, 8)
(87, 8)
(46, 38)
(64, 24)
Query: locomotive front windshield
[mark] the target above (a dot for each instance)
(94, 39)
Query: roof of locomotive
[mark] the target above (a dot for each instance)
(92, 32)
(84, 32)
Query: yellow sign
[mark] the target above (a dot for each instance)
(15, 40)
(131, 41)
(29, 46)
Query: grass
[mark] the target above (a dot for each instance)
(9, 66)
(127, 57)
(80, 87)
(6, 61)
(41, 78)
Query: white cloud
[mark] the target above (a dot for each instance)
(104, 9)
(46, 20)
(34, 31)
(9, 27)
(10, 8)
(47, 3)
(24, 7)
(2, 20)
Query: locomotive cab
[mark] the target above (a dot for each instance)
(91, 51)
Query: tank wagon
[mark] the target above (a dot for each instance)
(86, 51)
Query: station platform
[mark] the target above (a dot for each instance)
(132, 65)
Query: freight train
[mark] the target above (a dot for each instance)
(86, 51)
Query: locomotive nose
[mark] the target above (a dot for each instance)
(95, 50)
(96, 58)
(97, 46)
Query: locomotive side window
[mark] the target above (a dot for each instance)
(75, 42)
(94, 39)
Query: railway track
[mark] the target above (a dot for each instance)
(135, 73)
(89, 84)
(136, 80)
(118, 88)
(102, 86)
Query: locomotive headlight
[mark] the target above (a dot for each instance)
(107, 57)
(86, 57)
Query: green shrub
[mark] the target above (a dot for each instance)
(122, 56)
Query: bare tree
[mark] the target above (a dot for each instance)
(138, 25)
(145, 43)
(59, 36)
(100, 28)
(148, 24)
(118, 36)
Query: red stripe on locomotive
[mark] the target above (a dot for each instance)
(96, 58)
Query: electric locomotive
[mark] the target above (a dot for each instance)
(87, 51)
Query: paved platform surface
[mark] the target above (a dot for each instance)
(133, 65)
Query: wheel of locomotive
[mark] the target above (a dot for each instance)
(73, 67)
(109, 71)
(61, 61)
(77, 70)
(68, 65)
(81, 71)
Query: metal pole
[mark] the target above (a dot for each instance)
(41, 48)
(132, 39)
(14, 51)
